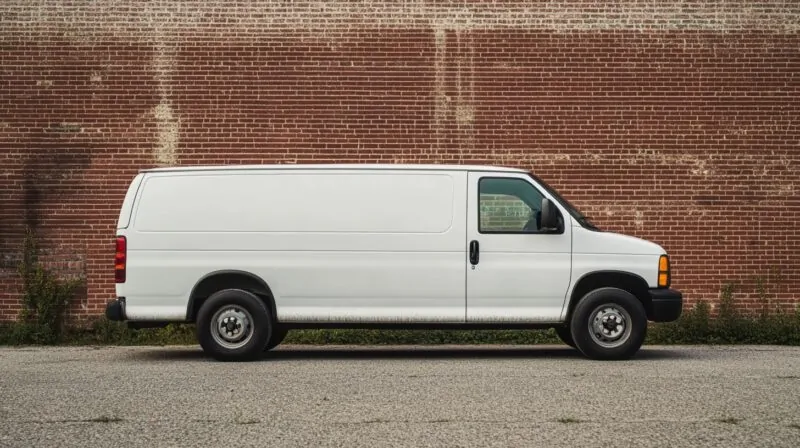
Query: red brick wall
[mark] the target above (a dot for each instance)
(671, 122)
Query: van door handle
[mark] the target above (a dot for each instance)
(474, 252)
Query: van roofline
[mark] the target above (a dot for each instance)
(335, 166)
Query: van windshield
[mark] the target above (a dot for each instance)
(582, 219)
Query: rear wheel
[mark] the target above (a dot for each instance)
(565, 336)
(278, 335)
(609, 324)
(233, 325)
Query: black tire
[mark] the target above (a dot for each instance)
(243, 303)
(278, 335)
(596, 345)
(565, 335)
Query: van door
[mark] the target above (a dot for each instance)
(515, 272)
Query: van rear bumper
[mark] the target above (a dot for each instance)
(115, 309)
(667, 305)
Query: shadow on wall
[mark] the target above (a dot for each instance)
(52, 161)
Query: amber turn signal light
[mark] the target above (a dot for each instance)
(663, 271)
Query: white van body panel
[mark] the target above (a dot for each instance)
(333, 246)
(125, 212)
(356, 244)
(520, 277)
(298, 203)
(606, 251)
(611, 252)
(126, 209)
(589, 242)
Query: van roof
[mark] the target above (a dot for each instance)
(337, 166)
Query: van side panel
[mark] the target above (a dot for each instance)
(338, 246)
(298, 203)
(127, 203)
(606, 251)
(519, 277)
(125, 212)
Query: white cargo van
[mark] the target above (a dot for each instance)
(250, 252)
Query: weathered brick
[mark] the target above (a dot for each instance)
(671, 122)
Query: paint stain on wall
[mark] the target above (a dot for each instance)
(440, 85)
(168, 125)
(168, 121)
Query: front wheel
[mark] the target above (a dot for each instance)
(609, 324)
(233, 325)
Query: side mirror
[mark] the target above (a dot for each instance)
(549, 220)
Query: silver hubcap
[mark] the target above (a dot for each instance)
(610, 326)
(232, 327)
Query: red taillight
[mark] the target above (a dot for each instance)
(119, 259)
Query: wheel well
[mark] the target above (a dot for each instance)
(220, 280)
(628, 282)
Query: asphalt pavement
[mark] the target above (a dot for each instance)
(481, 396)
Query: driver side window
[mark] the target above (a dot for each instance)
(507, 205)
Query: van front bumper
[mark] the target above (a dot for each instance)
(115, 309)
(667, 305)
